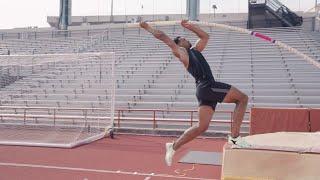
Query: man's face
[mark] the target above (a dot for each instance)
(184, 43)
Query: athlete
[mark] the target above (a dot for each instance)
(208, 91)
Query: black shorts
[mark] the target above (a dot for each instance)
(210, 93)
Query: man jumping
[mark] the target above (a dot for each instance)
(208, 91)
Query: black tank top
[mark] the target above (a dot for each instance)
(198, 67)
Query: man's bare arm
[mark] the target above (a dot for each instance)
(204, 37)
(176, 50)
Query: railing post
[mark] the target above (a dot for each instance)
(119, 118)
(1, 115)
(24, 116)
(85, 117)
(154, 119)
(191, 118)
(231, 120)
(54, 116)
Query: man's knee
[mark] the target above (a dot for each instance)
(243, 99)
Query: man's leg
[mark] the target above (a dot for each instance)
(205, 116)
(236, 96)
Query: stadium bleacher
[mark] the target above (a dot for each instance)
(150, 77)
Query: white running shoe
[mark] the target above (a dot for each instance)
(239, 141)
(169, 153)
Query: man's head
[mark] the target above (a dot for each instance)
(182, 42)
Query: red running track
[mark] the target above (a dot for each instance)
(127, 157)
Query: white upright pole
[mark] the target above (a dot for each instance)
(111, 16)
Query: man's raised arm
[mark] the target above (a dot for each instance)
(204, 37)
(179, 52)
(162, 37)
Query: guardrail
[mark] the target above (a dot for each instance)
(118, 118)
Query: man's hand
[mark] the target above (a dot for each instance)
(186, 24)
(202, 42)
(144, 25)
(154, 32)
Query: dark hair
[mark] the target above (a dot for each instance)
(177, 39)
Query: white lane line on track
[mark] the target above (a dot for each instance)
(99, 171)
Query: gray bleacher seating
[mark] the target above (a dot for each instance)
(149, 76)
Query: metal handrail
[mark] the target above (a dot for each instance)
(34, 34)
(118, 118)
(154, 119)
